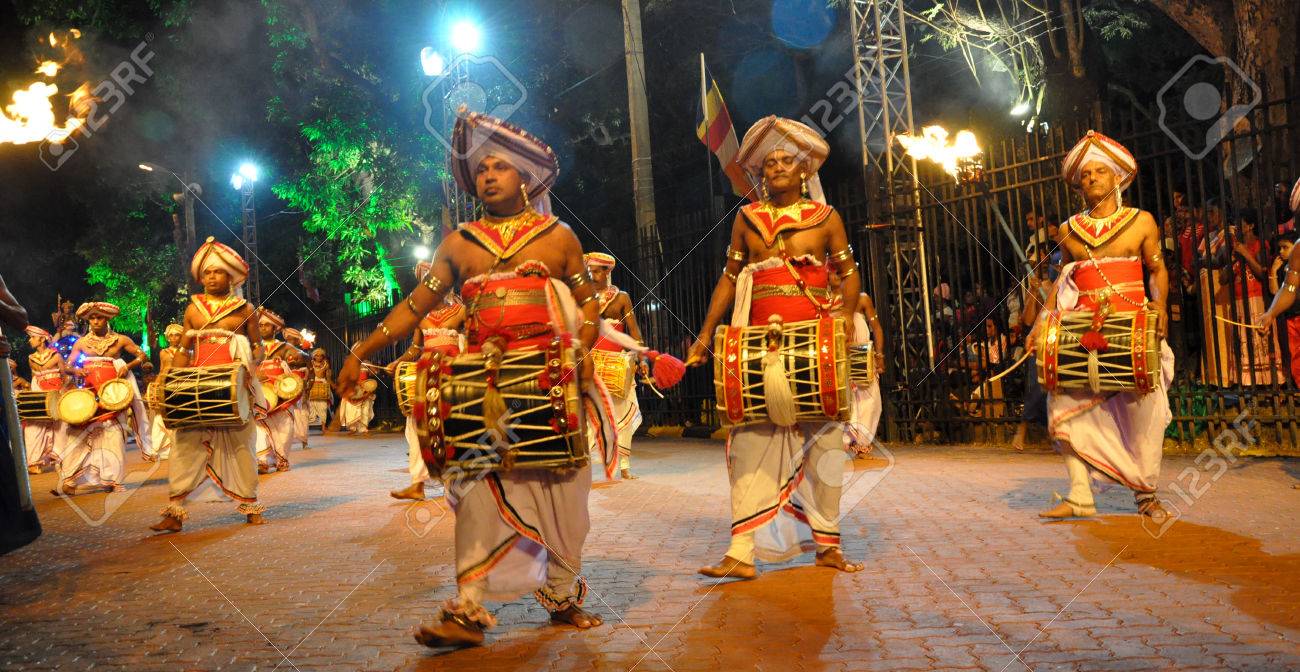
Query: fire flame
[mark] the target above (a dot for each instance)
(933, 145)
(30, 116)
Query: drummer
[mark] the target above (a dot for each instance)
(437, 332)
(301, 367)
(356, 410)
(211, 339)
(785, 480)
(93, 453)
(1112, 254)
(162, 438)
(519, 530)
(616, 312)
(47, 375)
(319, 399)
(860, 431)
(275, 430)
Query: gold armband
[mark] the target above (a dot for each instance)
(432, 283)
(411, 304)
(843, 255)
(735, 255)
(852, 269)
(384, 328)
(590, 323)
(1289, 288)
(728, 274)
(589, 299)
(1157, 258)
(578, 279)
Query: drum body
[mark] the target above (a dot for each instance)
(615, 369)
(34, 405)
(77, 406)
(544, 428)
(320, 391)
(153, 396)
(1130, 361)
(268, 391)
(99, 370)
(271, 369)
(404, 380)
(815, 357)
(205, 396)
(116, 394)
(862, 364)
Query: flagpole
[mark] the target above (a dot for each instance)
(704, 114)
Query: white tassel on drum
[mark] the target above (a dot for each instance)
(776, 385)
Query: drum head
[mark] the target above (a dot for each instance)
(52, 403)
(268, 391)
(116, 394)
(77, 407)
(288, 386)
(369, 385)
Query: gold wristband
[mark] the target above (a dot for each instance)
(384, 328)
(726, 273)
(590, 323)
(1289, 288)
(734, 254)
(843, 255)
(411, 304)
(578, 279)
(587, 300)
(432, 283)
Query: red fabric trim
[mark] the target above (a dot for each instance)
(811, 214)
(731, 376)
(490, 238)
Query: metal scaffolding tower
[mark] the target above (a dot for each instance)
(253, 286)
(898, 260)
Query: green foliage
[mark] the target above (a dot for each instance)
(1116, 20)
(136, 279)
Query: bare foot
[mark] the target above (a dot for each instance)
(167, 524)
(730, 568)
(1018, 441)
(834, 557)
(413, 491)
(1152, 509)
(450, 631)
(627, 475)
(577, 617)
(256, 519)
(263, 468)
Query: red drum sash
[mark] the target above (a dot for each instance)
(513, 307)
(1119, 272)
(777, 293)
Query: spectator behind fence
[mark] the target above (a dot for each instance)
(1287, 310)
(1212, 258)
(1256, 353)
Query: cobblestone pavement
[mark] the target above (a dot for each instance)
(960, 574)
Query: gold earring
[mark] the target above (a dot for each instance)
(523, 190)
(803, 183)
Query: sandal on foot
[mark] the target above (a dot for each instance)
(1069, 509)
(450, 630)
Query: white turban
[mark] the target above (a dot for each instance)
(211, 253)
(1096, 147)
(772, 133)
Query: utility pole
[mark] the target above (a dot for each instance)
(638, 121)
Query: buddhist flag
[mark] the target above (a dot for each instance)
(716, 131)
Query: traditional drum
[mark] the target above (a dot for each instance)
(615, 369)
(99, 370)
(77, 406)
(544, 426)
(33, 405)
(153, 397)
(404, 381)
(288, 387)
(365, 388)
(1129, 359)
(862, 364)
(813, 355)
(205, 396)
(116, 394)
(320, 391)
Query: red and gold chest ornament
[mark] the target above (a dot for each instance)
(770, 221)
(213, 309)
(1096, 231)
(506, 236)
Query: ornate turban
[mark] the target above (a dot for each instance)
(173, 333)
(268, 316)
(211, 253)
(92, 308)
(318, 351)
(1096, 147)
(599, 259)
(37, 332)
(478, 136)
(772, 133)
(290, 332)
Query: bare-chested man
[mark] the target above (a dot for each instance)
(219, 327)
(301, 367)
(860, 431)
(777, 268)
(275, 430)
(520, 272)
(47, 375)
(92, 454)
(1111, 256)
(1286, 291)
(616, 312)
(162, 438)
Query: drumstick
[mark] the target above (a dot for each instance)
(1012, 368)
(1238, 324)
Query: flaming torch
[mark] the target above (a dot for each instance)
(30, 116)
(963, 159)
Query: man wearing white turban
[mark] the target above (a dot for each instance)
(219, 327)
(47, 375)
(1112, 436)
(786, 474)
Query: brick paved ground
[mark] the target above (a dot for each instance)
(960, 574)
